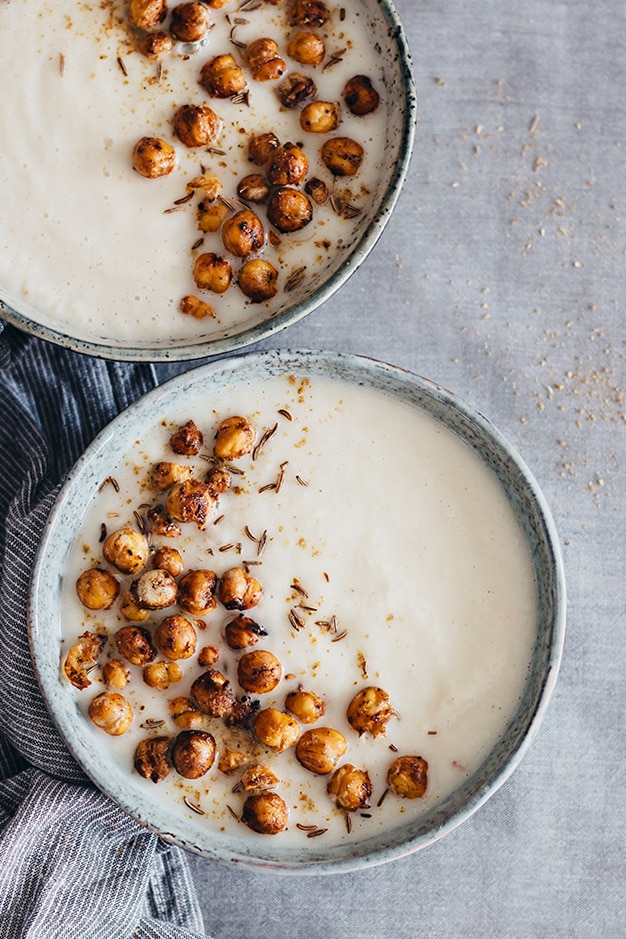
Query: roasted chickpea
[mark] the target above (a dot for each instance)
(308, 13)
(351, 788)
(134, 643)
(208, 655)
(265, 813)
(253, 188)
(154, 45)
(153, 157)
(187, 440)
(234, 438)
(196, 592)
(259, 672)
(147, 14)
(209, 183)
(212, 272)
(289, 210)
(196, 125)
(184, 713)
(408, 777)
(126, 549)
(161, 675)
(307, 706)
(342, 156)
(287, 166)
(319, 117)
(230, 761)
(360, 96)
(370, 711)
(161, 524)
(190, 501)
(194, 306)
(175, 637)
(111, 712)
(257, 279)
(218, 480)
(217, 4)
(295, 89)
(243, 234)
(97, 589)
(222, 77)
(193, 753)
(317, 190)
(257, 778)
(307, 48)
(164, 474)
(242, 632)
(168, 559)
(130, 610)
(320, 749)
(82, 656)
(213, 693)
(261, 147)
(275, 729)
(265, 62)
(239, 590)
(244, 710)
(154, 590)
(152, 758)
(115, 674)
(210, 215)
(190, 22)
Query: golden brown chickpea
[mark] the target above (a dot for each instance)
(186, 440)
(164, 474)
(244, 710)
(308, 13)
(161, 675)
(265, 62)
(210, 215)
(289, 210)
(153, 157)
(253, 188)
(194, 306)
(307, 48)
(154, 590)
(208, 655)
(259, 671)
(115, 674)
(261, 147)
(320, 749)
(234, 438)
(351, 788)
(134, 643)
(190, 22)
(295, 89)
(193, 753)
(342, 156)
(275, 729)
(196, 125)
(360, 96)
(212, 272)
(370, 712)
(82, 656)
(407, 777)
(287, 166)
(126, 549)
(258, 280)
(147, 14)
(184, 713)
(213, 693)
(319, 117)
(218, 480)
(196, 592)
(175, 637)
(243, 233)
(111, 712)
(97, 589)
(130, 610)
(317, 190)
(257, 778)
(239, 590)
(154, 45)
(190, 501)
(222, 77)
(307, 706)
(242, 632)
(208, 183)
(152, 758)
(230, 761)
(265, 813)
(161, 524)
(168, 559)
(217, 4)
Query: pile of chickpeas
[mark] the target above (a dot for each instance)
(141, 576)
(281, 190)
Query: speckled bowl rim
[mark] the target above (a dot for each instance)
(522, 492)
(275, 322)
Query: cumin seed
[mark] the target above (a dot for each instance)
(109, 481)
(243, 97)
(306, 827)
(267, 435)
(267, 487)
(113, 514)
(228, 203)
(220, 518)
(432, 733)
(237, 787)
(159, 71)
(184, 199)
(365, 815)
(342, 14)
(249, 6)
(197, 244)
(262, 543)
(285, 413)
(103, 532)
(250, 535)
(232, 812)
(120, 62)
(227, 547)
(335, 59)
(342, 635)
(194, 808)
(317, 832)
(61, 64)
(251, 563)
(216, 151)
(301, 481)
(281, 476)
(141, 525)
(393, 748)
(348, 823)
(299, 588)
(295, 279)
(240, 21)
(309, 609)
(173, 208)
(382, 798)
(295, 620)
(151, 724)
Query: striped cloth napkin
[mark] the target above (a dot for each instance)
(71, 863)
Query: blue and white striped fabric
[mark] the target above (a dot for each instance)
(71, 863)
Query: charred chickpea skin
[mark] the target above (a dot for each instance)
(258, 280)
(265, 61)
(320, 749)
(147, 14)
(130, 610)
(360, 96)
(239, 590)
(261, 147)
(212, 272)
(295, 89)
(275, 729)
(164, 475)
(287, 166)
(168, 559)
(351, 788)
(370, 712)
(243, 233)
(82, 656)
(115, 674)
(407, 777)
(175, 637)
(317, 190)
(191, 305)
(259, 672)
(342, 156)
(151, 758)
(213, 693)
(126, 549)
(219, 481)
(196, 592)
(184, 713)
(308, 13)
(289, 210)
(307, 48)
(234, 438)
(320, 117)
(186, 440)
(111, 712)
(155, 45)
(190, 22)
(190, 501)
(97, 589)
(222, 77)
(154, 590)
(196, 125)
(307, 706)
(134, 643)
(193, 753)
(153, 157)
(265, 813)
(253, 188)
(161, 675)
(242, 632)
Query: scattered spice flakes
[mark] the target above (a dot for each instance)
(194, 808)
(61, 64)
(109, 481)
(265, 437)
(335, 59)
(151, 724)
(296, 621)
(305, 827)
(361, 662)
(382, 798)
(297, 586)
(122, 65)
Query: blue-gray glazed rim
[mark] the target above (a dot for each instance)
(523, 494)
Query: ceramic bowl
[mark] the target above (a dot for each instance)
(196, 390)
